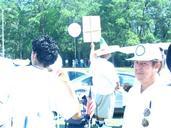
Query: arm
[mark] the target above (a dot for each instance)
(92, 52)
(117, 86)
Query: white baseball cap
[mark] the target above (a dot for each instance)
(147, 52)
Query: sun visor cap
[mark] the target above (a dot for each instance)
(147, 52)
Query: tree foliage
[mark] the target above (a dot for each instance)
(123, 22)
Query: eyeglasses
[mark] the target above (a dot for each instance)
(147, 112)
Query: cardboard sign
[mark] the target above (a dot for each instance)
(91, 28)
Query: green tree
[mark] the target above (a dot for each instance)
(123, 22)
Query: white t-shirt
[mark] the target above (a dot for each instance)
(6, 72)
(158, 97)
(36, 93)
(104, 76)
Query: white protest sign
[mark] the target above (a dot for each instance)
(91, 28)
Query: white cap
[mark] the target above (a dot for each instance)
(147, 52)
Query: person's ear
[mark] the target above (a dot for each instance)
(158, 66)
(34, 55)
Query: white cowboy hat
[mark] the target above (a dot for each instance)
(105, 49)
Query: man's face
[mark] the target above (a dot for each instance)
(144, 71)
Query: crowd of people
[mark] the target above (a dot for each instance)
(30, 94)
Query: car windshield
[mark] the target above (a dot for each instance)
(72, 75)
(126, 79)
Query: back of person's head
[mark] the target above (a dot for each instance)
(168, 58)
(46, 50)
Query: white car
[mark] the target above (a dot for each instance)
(83, 83)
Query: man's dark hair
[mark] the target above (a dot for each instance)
(168, 58)
(46, 49)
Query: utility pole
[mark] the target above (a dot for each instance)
(3, 48)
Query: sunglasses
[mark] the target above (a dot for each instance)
(147, 112)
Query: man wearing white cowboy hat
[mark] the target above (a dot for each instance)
(105, 80)
(148, 103)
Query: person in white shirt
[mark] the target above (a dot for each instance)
(148, 103)
(6, 70)
(105, 81)
(37, 92)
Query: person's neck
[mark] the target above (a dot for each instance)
(147, 84)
